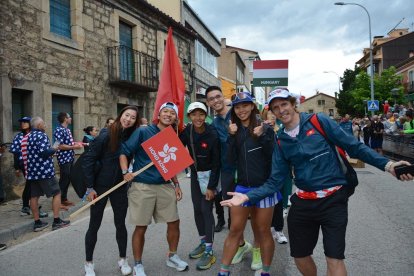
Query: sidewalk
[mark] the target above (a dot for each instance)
(12, 225)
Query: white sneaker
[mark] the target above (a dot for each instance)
(139, 270)
(89, 269)
(189, 174)
(124, 266)
(175, 262)
(280, 237)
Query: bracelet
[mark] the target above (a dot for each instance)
(388, 166)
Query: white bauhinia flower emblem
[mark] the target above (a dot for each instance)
(168, 153)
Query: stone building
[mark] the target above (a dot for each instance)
(320, 102)
(89, 58)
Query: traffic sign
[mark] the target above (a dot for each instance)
(373, 105)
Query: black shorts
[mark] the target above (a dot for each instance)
(376, 143)
(48, 187)
(307, 216)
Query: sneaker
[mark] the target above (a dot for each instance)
(223, 274)
(261, 273)
(188, 175)
(280, 237)
(25, 211)
(139, 270)
(42, 214)
(62, 223)
(124, 266)
(256, 259)
(175, 262)
(285, 212)
(198, 251)
(39, 226)
(206, 261)
(89, 269)
(2, 246)
(247, 247)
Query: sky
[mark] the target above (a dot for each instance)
(314, 35)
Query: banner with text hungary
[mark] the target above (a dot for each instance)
(270, 72)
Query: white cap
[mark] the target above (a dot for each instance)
(169, 105)
(196, 105)
(282, 93)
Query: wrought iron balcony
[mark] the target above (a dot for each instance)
(130, 68)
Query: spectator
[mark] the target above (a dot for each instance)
(65, 154)
(109, 122)
(40, 173)
(18, 165)
(144, 122)
(150, 197)
(377, 132)
(90, 134)
(346, 124)
(409, 124)
(105, 150)
(386, 107)
(366, 132)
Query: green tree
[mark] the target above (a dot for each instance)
(356, 90)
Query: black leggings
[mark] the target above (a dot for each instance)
(203, 211)
(277, 219)
(119, 202)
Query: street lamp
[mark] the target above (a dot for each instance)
(370, 46)
(339, 78)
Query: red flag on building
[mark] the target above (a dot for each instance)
(172, 85)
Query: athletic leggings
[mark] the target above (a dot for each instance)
(203, 211)
(119, 202)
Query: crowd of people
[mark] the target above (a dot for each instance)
(246, 159)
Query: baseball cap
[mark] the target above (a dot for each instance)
(196, 105)
(281, 93)
(169, 105)
(25, 119)
(242, 97)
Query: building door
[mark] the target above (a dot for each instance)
(61, 104)
(126, 55)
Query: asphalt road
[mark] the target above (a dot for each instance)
(379, 239)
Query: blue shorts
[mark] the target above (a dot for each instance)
(267, 202)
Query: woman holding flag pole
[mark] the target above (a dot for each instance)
(102, 171)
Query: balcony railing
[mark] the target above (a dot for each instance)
(131, 68)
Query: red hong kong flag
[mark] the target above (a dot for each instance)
(172, 84)
(167, 153)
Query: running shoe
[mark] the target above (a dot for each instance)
(175, 262)
(39, 226)
(247, 247)
(198, 251)
(89, 269)
(42, 214)
(124, 266)
(280, 237)
(256, 259)
(60, 224)
(139, 270)
(206, 261)
(25, 211)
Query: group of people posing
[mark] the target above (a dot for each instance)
(251, 159)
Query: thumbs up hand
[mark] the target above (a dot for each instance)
(258, 131)
(232, 128)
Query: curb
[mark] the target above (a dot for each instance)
(16, 231)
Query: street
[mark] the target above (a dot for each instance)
(379, 239)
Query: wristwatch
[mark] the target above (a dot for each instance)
(124, 172)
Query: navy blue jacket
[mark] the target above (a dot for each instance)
(251, 155)
(313, 159)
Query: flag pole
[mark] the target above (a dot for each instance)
(74, 214)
